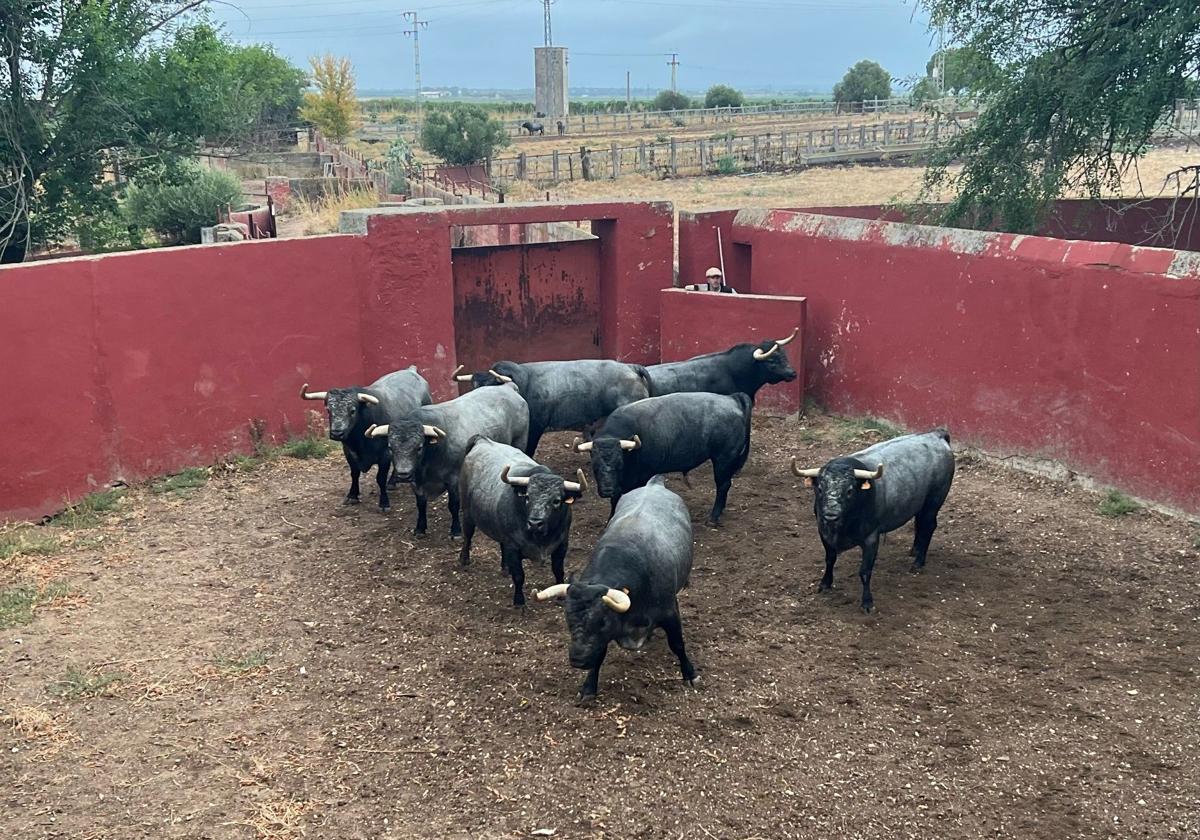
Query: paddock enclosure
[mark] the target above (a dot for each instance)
(230, 652)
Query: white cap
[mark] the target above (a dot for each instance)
(713, 272)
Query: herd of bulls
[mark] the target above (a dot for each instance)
(641, 423)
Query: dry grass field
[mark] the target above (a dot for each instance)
(818, 186)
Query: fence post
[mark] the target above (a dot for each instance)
(754, 151)
(641, 156)
(554, 166)
(862, 137)
(570, 166)
(522, 167)
(783, 146)
(808, 143)
(835, 138)
(674, 159)
(887, 133)
(729, 143)
(912, 131)
(935, 132)
(615, 155)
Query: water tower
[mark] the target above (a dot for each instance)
(550, 75)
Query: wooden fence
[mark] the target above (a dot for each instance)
(728, 153)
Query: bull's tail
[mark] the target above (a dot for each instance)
(644, 375)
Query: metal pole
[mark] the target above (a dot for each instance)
(721, 255)
(415, 32)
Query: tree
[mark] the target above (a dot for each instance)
(463, 135)
(1081, 89)
(865, 80)
(723, 96)
(90, 91)
(333, 109)
(670, 100)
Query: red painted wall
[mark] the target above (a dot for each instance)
(702, 322)
(1086, 353)
(144, 363)
(527, 302)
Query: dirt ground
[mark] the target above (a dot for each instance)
(256, 660)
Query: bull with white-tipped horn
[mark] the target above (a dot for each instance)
(862, 496)
(631, 584)
(428, 445)
(351, 411)
(567, 396)
(522, 505)
(742, 369)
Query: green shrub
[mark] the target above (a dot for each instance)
(1117, 504)
(463, 135)
(179, 207)
(727, 165)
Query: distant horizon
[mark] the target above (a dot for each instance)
(767, 46)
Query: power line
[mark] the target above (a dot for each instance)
(674, 64)
(549, 34)
(415, 32)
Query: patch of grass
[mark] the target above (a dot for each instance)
(180, 483)
(19, 603)
(76, 684)
(241, 663)
(1117, 504)
(27, 540)
(726, 165)
(324, 214)
(306, 448)
(89, 510)
(850, 428)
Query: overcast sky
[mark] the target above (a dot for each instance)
(488, 43)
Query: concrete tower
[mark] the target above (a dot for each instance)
(550, 81)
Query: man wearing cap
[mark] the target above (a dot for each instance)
(714, 281)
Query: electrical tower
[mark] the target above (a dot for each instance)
(417, 25)
(674, 64)
(549, 34)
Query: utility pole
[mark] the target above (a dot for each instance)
(674, 63)
(940, 65)
(549, 33)
(628, 93)
(417, 25)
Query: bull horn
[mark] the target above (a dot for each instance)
(378, 431)
(556, 591)
(367, 398)
(784, 342)
(616, 600)
(632, 445)
(433, 432)
(581, 445)
(315, 395)
(760, 354)
(500, 376)
(867, 474)
(804, 473)
(580, 486)
(515, 481)
(464, 378)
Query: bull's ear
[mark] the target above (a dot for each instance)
(808, 482)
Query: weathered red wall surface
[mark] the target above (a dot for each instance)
(132, 365)
(139, 364)
(694, 323)
(527, 302)
(1087, 353)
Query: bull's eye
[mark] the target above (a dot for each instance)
(558, 502)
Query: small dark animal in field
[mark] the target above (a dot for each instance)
(533, 127)
(864, 495)
(630, 586)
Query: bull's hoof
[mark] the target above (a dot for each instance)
(584, 700)
(868, 608)
(713, 523)
(351, 500)
(694, 682)
(385, 508)
(824, 587)
(916, 568)
(464, 559)
(418, 532)
(456, 536)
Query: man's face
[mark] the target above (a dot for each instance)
(714, 282)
